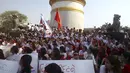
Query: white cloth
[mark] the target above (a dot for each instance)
(14, 57)
(81, 52)
(34, 52)
(6, 49)
(87, 56)
(67, 49)
(49, 51)
(64, 54)
(105, 41)
(102, 69)
(20, 50)
(99, 37)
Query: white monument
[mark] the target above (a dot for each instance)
(71, 13)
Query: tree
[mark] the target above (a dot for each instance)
(126, 28)
(11, 19)
(105, 26)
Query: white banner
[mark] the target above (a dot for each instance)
(8, 66)
(70, 66)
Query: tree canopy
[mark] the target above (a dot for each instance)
(12, 19)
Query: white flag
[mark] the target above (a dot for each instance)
(47, 28)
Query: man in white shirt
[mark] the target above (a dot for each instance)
(14, 54)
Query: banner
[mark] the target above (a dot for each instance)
(8, 66)
(70, 66)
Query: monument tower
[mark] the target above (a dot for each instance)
(71, 13)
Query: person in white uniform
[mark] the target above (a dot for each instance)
(14, 54)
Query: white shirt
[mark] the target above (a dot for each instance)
(103, 69)
(67, 49)
(105, 41)
(20, 50)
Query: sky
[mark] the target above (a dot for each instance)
(96, 12)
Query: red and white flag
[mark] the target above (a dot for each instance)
(43, 23)
(47, 28)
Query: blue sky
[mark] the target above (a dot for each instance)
(97, 12)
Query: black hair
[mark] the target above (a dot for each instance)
(56, 54)
(42, 54)
(85, 48)
(128, 60)
(49, 46)
(1, 54)
(62, 49)
(25, 63)
(27, 50)
(14, 50)
(53, 68)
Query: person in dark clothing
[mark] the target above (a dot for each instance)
(42, 53)
(25, 64)
(27, 50)
(1, 54)
(53, 68)
(55, 54)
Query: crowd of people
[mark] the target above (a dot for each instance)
(108, 55)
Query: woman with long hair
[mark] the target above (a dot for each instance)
(25, 64)
(43, 54)
(112, 65)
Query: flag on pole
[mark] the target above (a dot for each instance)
(57, 18)
(42, 22)
(47, 28)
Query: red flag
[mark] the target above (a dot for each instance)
(57, 18)
(43, 23)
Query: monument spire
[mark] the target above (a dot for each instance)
(71, 12)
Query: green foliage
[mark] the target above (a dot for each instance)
(11, 19)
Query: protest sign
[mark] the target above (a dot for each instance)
(8, 66)
(70, 66)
